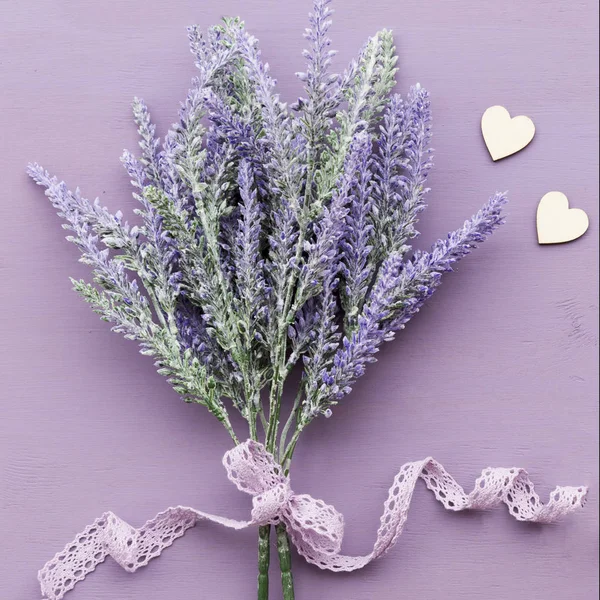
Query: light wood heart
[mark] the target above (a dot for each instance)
(556, 222)
(504, 135)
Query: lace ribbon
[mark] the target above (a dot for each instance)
(315, 528)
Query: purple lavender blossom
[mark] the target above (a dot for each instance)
(356, 245)
(400, 169)
(251, 288)
(240, 133)
(271, 237)
(418, 164)
(303, 330)
(149, 143)
(325, 340)
(123, 303)
(399, 292)
(193, 335)
(323, 252)
(284, 144)
(192, 330)
(322, 88)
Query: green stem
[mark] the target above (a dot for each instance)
(230, 431)
(288, 423)
(264, 531)
(286, 459)
(283, 544)
(252, 425)
(263, 419)
(264, 558)
(285, 562)
(274, 407)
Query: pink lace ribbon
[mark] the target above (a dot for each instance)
(315, 528)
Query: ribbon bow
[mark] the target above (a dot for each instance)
(315, 528)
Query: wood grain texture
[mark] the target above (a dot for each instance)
(500, 369)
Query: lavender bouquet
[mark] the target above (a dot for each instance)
(270, 238)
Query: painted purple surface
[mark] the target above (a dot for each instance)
(500, 369)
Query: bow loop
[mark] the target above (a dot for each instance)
(253, 469)
(315, 524)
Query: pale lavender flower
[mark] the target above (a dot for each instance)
(75, 209)
(323, 252)
(322, 88)
(400, 169)
(418, 164)
(149, 143)
(90, 223)
(249, 264)
(158, 254)
(282, 237)
(324, 341)
(182, 156)
(398, 294)
(182, 148)
(284, 144)
(355, 265)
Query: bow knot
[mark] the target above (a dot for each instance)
(312, 524)
(268, 507)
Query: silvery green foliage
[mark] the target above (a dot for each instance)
(270, 236)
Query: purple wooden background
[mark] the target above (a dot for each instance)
(500, 369)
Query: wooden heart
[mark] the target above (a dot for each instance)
(556, 222)
(504, 136)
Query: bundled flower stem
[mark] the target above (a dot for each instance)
(270, 238)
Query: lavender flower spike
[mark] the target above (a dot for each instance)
(322, 87)
(356, 244)
(398, 294)
(323, 253)
(400, 168)
(149, 143)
